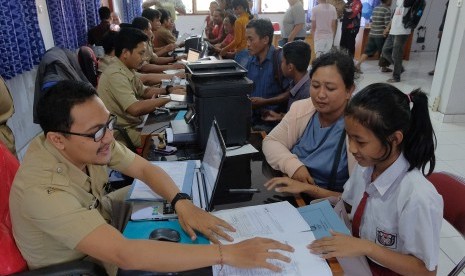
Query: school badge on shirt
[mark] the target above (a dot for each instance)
(386, 239)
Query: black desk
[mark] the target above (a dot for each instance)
(260, 173)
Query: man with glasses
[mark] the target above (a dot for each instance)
(60, 211)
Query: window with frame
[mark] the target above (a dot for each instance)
(266, 6)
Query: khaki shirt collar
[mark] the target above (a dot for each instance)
(125, 70)
(64, 170)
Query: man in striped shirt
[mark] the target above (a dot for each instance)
(379, 21)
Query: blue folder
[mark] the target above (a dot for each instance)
(321, 217)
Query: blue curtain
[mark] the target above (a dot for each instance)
(21, 43)
(70, 20)
(130, 9)
(311, 4)
(367, 10)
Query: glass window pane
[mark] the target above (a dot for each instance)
(274, 6)
(202, 5)
(188, 5)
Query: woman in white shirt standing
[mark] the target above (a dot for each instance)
(324, 22)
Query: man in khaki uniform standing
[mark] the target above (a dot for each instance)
(122, 91)
(60, 211)
(6, 111)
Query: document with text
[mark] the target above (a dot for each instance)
(182, 173)
(303, 263)
(264, 219)
(279, 221)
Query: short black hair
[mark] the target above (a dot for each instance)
(104, 13)
(343, 62)
(221, 12)
(128, 38)
(263, 27)
(244, 4)
(165, 14)
(231, 17)
(297, 52)
(54, 107)
(108, 41)
(140, 23)
(151, 14)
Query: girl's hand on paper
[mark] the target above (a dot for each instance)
(339, 245)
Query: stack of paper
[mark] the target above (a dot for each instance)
(279, 221)
(182, 173)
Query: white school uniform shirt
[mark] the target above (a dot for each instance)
(403, 214)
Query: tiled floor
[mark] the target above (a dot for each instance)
(450, 151)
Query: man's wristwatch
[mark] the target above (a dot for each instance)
(177, 197)
(167, 89)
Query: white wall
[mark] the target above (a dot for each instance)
(431, 19)
(449, 79)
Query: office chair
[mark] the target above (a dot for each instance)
(458, 268)
(11, 260)
(127, 140)
(452, 190)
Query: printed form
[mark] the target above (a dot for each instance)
(176, 170)
(279, 221)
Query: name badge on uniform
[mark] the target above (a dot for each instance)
(386, 239)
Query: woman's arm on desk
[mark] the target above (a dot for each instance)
(289, 185)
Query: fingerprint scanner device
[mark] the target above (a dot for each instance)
(182, 131)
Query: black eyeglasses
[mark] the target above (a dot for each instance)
(100, 133)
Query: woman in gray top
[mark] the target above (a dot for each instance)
(293, 23)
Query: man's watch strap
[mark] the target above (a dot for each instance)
(167, 89)
(177, 197)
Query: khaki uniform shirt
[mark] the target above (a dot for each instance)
(149, 56)
(6, 111)
(54, 205)
(104, 62)
(119, 88)
(163, 37)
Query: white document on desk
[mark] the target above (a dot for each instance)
(279, 221)
(252, 221)
(180, 171)
(303, 263)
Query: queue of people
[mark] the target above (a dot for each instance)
(371, 149)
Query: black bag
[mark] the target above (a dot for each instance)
(414, 14)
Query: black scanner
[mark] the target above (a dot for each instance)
(165, 234)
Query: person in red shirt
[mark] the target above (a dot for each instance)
(350, 25)
(209, 23)
(217, 34)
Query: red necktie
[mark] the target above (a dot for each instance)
(358, 216)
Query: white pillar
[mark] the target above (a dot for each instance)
(448, 87)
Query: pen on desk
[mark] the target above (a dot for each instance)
(246, 191)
